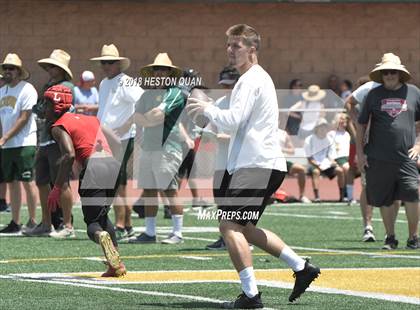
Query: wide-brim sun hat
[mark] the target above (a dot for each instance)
(389, 61)
(14, 60)
(314, 93)
(59, 58)
(161, 60)
(110, 52)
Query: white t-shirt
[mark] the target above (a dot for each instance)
(14, 100)
(86, 96)
(321, 150)
(309, 118)
(117, 102)
(222, 145)
(252, 120)
(341, 142)
(362, 91)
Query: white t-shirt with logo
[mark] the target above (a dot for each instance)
(117, 102)
(14, 100)
(341, 139)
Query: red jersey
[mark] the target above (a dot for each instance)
(85, 132)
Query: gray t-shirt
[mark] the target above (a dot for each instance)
(393, 115)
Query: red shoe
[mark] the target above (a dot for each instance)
(115, 273)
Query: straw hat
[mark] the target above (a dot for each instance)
(110, 52)
(14, 60)
(389, 61)
(60, 59)
(314, 93)
(161, 60)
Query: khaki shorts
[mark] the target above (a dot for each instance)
(159, 170)
(18, 163)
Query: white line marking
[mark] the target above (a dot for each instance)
(197, 257)
(328, 217)
(125, 290)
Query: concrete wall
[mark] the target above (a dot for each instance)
(309, 41)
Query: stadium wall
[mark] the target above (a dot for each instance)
(309, 41)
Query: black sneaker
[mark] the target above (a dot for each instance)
(244, 302)
(390, 243)
(12, 228)
(413, 244)
(217, 245)
(303, 279)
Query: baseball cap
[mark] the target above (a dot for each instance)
(228, 76)
(88, 76)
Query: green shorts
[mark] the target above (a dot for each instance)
(18, 163)
(342, 160)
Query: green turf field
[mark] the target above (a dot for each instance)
(42, 273)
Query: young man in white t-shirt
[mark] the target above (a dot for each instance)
(117, 99)
(18, 139)
(255, 165)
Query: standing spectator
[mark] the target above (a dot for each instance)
(391, 153)
(81, 138)
(49, 155)
(3, 185)
(320, 151)
(117, 99)
(354, 104)
(345, 89)
(86, 97)
(333, 99)
(158, 112)
(294, 95)
(310, 110)
(18, 139)
(255, 166)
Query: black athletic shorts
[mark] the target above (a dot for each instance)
(387, 182)
(187, 164)
(248, 194)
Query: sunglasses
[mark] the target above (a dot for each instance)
(386, 72)
(9, 68)
(161, 68)
(109, 62)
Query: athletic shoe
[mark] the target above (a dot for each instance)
(143, 238)
(111, 254)
(12, 228)
(303, 279)
(65, 233)
(218, 245)
(390, 243)
(120, 233)
(40, 230)
(244, 302)
(368, 235)
(413, 244)
(130, 232)
(317, 200)
(305, 199)
(166, 212)
(352, 202)
(29, 225)
(115, 273)
(172, 239)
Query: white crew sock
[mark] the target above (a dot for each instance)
(248, 282)
(177, 220)
(349, 188)
(150, 223)
(294, 261)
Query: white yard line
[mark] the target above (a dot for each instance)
(329, 217)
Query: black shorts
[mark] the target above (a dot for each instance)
(98, 184)
(47, 162)
(187, 164)
(1, 171)
(248, 194)
(221, 181)
(329, 173)
(387, 182)
(128, 147)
